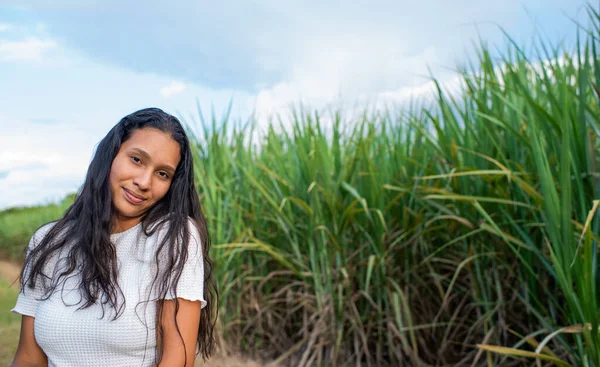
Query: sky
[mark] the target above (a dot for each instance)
(71, 69)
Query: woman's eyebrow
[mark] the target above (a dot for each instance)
(169, 168)
(142, 152)
(146, 156)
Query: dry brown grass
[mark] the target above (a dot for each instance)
(230, 361)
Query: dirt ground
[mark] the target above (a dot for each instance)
(11, 271)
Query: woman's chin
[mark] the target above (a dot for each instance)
(125, 213)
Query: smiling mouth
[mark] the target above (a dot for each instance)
(133, 198)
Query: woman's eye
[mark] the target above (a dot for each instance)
(163, 174)
(136, 159)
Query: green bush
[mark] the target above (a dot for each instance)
(18, 224)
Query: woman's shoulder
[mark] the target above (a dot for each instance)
(162, 229)
(41, 232)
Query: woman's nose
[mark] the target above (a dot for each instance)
(143, 180)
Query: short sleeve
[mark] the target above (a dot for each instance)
(28, 298)
(191, 282)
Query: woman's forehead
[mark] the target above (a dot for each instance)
(154, 143)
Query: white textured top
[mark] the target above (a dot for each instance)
(79, 338)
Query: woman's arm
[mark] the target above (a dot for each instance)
(29, 353)
(188, 319)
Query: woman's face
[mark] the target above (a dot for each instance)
(141, 174)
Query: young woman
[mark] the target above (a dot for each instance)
(124, 278)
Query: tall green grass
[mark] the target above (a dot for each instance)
(407, 238)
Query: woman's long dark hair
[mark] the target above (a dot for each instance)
(87, 225)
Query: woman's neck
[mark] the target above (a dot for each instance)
(123, 224)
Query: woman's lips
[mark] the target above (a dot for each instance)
(132, 198)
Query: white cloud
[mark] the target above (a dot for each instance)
(28, 49)
(172, 89)
(19, 160)
(451, 85)
(5, 27)
(350, 69)
(41, 163)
